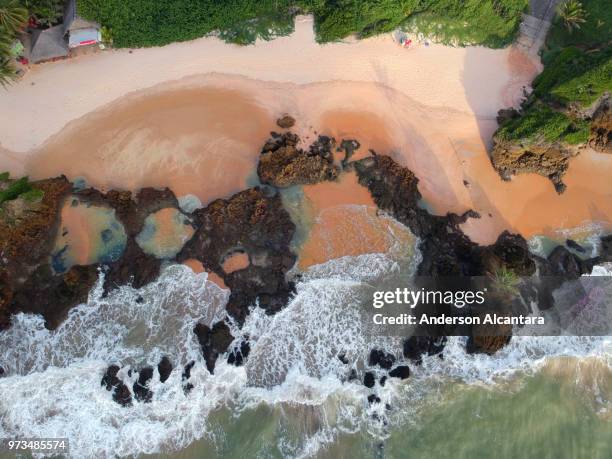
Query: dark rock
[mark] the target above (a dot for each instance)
(349, 147)
(142, 393)
(282, 163)
(382, 381)
(373, 398)
(416, 346)
(187, 388)
(51, 295)
(550, 160)
(262, 228)
(285, 122)
(238, 355)
(401, 372)
(488, 344)
(352, 375)
(605, 252)
(567, 265)
(164, 368)
(507, 114)
(571, 244)
(342, 358)
(187, 371)
(381, 358)
(368, 379)
(213, 341)
(121, 393)
(449, 258)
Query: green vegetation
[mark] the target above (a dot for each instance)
(14, 15)
(137, 23)
(505, 281)
(572, 14)
(577, 72)
(492, 24)
(12, 18)
(15, 189)
(595, 31)
(540, 123)
(46, 12)
(20, 188)
(575, 76)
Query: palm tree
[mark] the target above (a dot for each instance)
(7, 72)
(573, 14)
(12, 15)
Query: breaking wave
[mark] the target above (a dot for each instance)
(52, 387)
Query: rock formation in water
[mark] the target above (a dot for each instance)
(254, 222)
(283, 163)
(29, 230)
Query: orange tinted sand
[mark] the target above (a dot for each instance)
(205, 140)
(346, 222)
(202, 141)
(236, 262)
(196, 267)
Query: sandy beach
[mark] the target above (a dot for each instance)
(192, 116)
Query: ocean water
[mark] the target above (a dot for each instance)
(538, 397)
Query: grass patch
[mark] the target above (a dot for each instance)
(492, 24)
(140, 23)
(541, 123)
(575, 76)
(20, 188)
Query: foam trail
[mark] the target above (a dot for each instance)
(53, 388)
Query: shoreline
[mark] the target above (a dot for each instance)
(53, 94)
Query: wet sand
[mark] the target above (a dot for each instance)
(236, 262)
(203, 141)
(197, 267)
(197, 137)
(346, 222)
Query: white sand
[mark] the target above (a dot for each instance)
(472, 80)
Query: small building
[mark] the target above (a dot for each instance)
(48, 44)
(56, 42)
(79, 31)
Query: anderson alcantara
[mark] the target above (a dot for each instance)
(459, 299)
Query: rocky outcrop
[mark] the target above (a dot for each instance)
(213, 341)
(283, 163)
(164, 368)
(27, 235)
(600, 138)
(449, 258)
(255, 222)
(285, 122)
(415, 347)
(28, 231)
(121, 392)
(141, 389)
(550, 160)
(446, 250)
